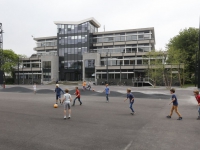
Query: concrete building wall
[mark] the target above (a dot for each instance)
(54, 65)
(95, 56)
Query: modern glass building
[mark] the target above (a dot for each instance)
(73, 40)
(80, 52)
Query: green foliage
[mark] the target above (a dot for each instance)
(182, 49)
(10, 60)
(10, 81)
(155, 68)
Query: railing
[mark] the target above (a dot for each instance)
(122, 50)
(122, 38)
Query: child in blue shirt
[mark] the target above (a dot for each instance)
(58, 93)
(107, 92)
(174, 100)
(131, 98)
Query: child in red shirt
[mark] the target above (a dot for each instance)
(197, 96)
(78, 96)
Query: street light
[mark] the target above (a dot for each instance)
(134, 61)
(196, 67)
(107, 65)
(198, 59)
(121, 62)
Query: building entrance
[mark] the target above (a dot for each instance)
(73, 76)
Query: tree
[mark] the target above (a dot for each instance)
(155, 66)
(11, 60)
(182, 49)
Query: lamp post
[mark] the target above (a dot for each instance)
(196, 68)
(121, 63)
(18, 71)
(120, 71)
(134, 68)
(198, 59)
(107, 65)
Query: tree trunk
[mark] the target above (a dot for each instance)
(171, 78)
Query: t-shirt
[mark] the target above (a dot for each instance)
(198, 99)
(107, 90)
(130, 96)
(78, 93)
(84, 83)
(175, 103)
(58, 90)
(34, 86)
(67, 97)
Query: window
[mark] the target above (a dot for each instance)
(47, 64)
(140, 37)
(126, 62)
(90, 63)
(139, 62)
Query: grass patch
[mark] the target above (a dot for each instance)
(188, 85)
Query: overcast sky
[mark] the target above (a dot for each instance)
(23, 18)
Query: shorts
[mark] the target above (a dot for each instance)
(58, 96)
(67, 105)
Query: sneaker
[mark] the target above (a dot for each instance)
(80, 103)
(68, 117)
(180, 118)
(132, 113)
(198, 118)
(168, 116)
(64, 117)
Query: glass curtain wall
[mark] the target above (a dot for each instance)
(73, 41)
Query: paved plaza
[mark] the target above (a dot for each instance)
(29, 122)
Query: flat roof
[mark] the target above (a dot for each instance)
(91, 20)
(127, 30)
(45, 38)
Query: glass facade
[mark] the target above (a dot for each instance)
(46, 67)
(72, 41)
(89, 68)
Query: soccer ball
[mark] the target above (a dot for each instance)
(55, 105)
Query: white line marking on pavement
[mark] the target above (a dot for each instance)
(127, 147)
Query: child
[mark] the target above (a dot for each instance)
(175, 105)
(84, 85)
(107, 92)
(78, 96)
(197, 96)
(58, 91)
(34, 88)
(89, 85)
(67, 99)
(131, 98)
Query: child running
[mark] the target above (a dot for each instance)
(78, 96)
(34, 88)
(84, 85)
(197, 96)
(89, 85)
(175, 105)
(58, 93)
(66, 101)
(131, 98)
(107, 92)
